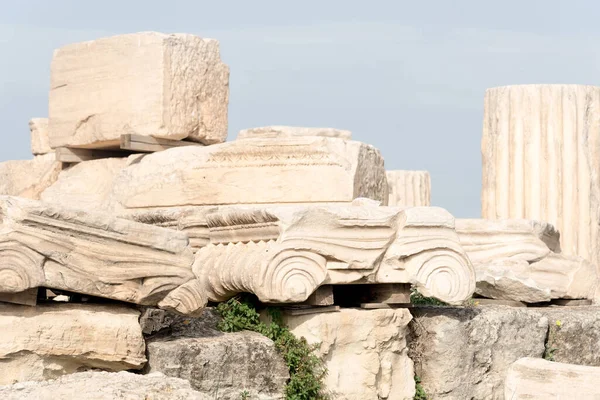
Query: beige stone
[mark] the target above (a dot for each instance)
(271, 132)
(536, 378)
(283, 254)
(258, 171)
(151, 84)
(520, 260)
(224, 365)
(540, 160)
(87, 185)
(40, 142)
(365, 352)
(50, 340)
(93, 253)
(464, 353)
(100, 385)
(28, 178)
(409, 188)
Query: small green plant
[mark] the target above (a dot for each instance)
(245, 395)
(550, 349)
(419, 391)
(418, 299)
(306, 369)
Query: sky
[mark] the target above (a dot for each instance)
(408, 77)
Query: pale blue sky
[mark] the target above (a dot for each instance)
(406, 76)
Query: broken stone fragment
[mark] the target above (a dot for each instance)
(40, 142)
(28, 178)
(365, 351)
(101, 385)
(50, 340)
(283, 254)
(93, 253)
(272, 132)
(539, 379)
(176, 88)
(520, 260)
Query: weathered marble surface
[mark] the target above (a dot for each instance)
(93, 253)
(269, 132)
(540, 153)
(87, 185)
(100, 385)
(40, 142)
(283, 254)
(259, 171)
(409, 188)
(536, 378)
(47, 341)
(222, 365)
(365, 352)
(520, 260)
(167, 86)
(28, 178)
(463, 353)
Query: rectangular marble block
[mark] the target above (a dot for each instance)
(258, 171)
(152, 84)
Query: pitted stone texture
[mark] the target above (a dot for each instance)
(28, 178)
(270, 132)
(464, 353)
(537, 379)
(176, 88)
(40, 142)
(365, 352)
(100, 385)
(222, 366)
(47, 341)
(574, 334)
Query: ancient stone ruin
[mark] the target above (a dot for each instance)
(136, 217)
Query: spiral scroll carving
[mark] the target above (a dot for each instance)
(20, 268)
(291, 276)
(188, 299)
(445, 275)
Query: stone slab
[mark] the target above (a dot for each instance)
(176, 88)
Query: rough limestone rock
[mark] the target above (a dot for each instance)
(87, 185)
(28, 178)
(520, 260)
(50, 340)
(101, 385)
(574, 334)
(176, 88)
(270, 132)
(221, 365)
(94, 253)
(409, 188)
(40, 142)
(534, 378)
(465, 353)
(540, 153)
(259, 171)
(365, 351)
